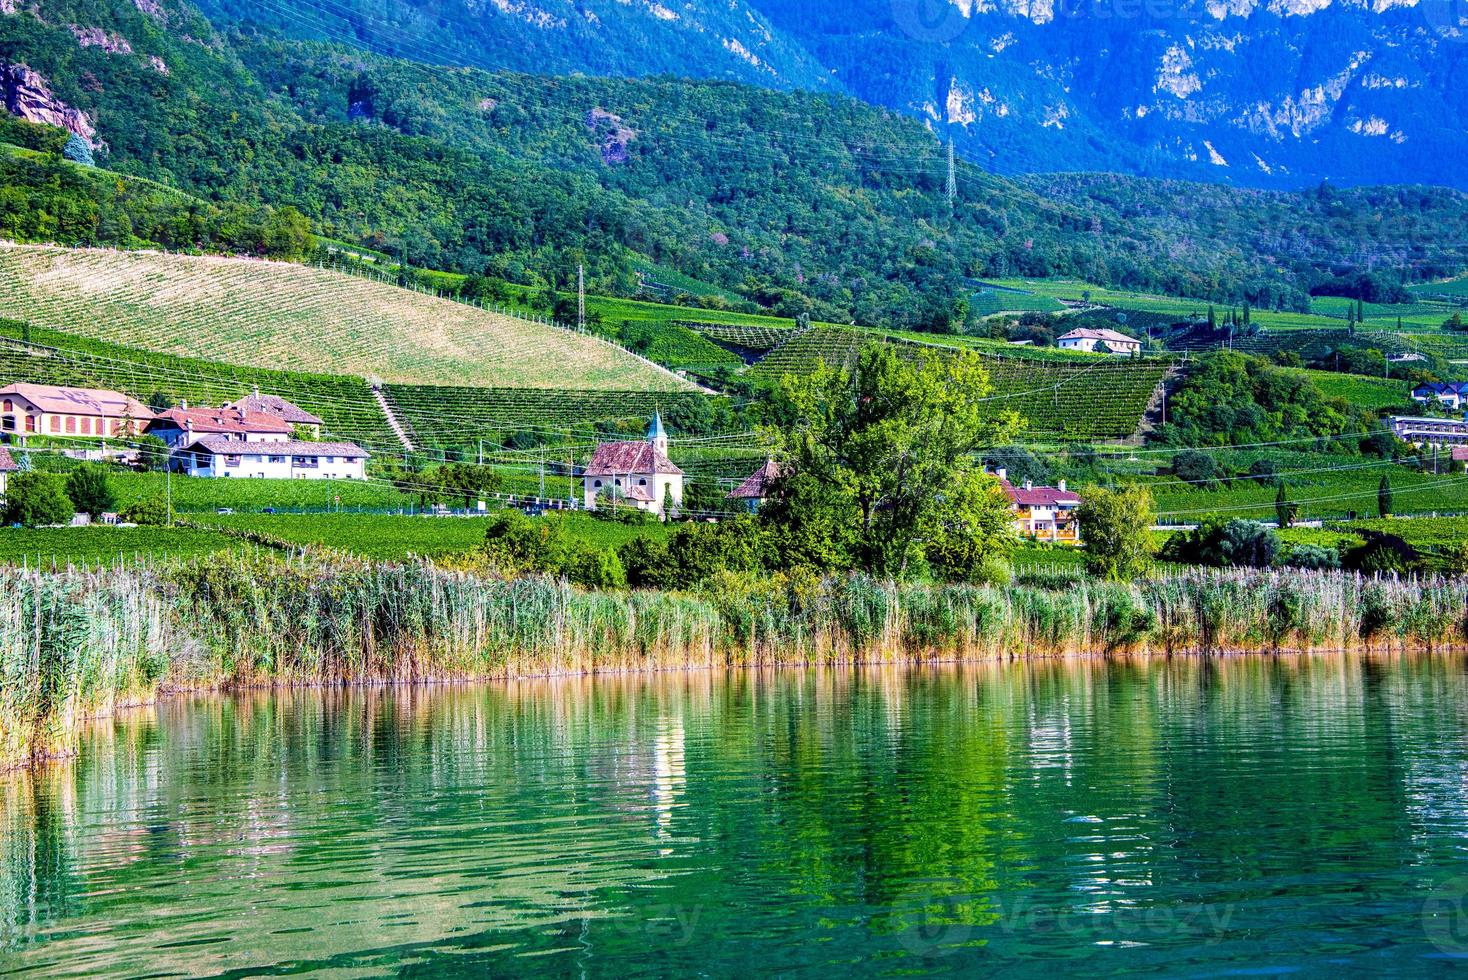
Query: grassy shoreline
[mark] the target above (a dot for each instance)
(78, 644)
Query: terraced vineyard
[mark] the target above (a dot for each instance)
(1102, 398)
(269, 314)
(457, 416)
(346, 405)
(748, 337)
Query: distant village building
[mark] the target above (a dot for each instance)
(36, 410)
(7, 467)
(756, 487)
(256, 403)
(1429, 431)
(223, 457)
(1103, 341)
(179, 426)
(638, 473)
(1043, 513)
(1449, 394)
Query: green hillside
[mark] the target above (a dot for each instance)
(1092, 398)
(273, 314)
(795, 202)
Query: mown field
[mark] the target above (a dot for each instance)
(396, 537)
(270, 314)
(1327, 312)
(63, 546)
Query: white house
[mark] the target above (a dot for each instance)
(638, 473)
(1099, 341)
(1450, 394)
(1430, 431)
(219, 456)
(7, 467)
(180, 426)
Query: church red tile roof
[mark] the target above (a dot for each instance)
(623, 458)
(757, 485)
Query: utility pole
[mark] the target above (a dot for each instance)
(952, 178)
(581, 298)
(542, 471)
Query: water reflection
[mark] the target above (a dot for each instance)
(1152, 816)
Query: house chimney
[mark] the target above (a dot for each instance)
(1029, 485)
(1002, 473)
(184, 404)
(1061, 486)
(188, 430)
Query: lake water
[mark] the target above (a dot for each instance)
(1186, 818)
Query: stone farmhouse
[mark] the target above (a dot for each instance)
(47, 410)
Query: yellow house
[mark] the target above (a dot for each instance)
(1043, 513)
(45, 410)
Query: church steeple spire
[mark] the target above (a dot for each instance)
(656, 434)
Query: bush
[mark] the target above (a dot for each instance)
(1197, 468)
(37, 499)
(1021, 465)
(148, 512)
(89, 491)
(1264, 471)
(1236, 543)
(153, 454)
(1312, 556)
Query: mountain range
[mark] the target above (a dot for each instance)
(1265, 93)
(803, 203)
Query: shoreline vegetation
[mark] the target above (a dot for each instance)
(78, 644)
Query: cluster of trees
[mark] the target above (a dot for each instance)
(880, 474)
(38, 499)
(1230, 398)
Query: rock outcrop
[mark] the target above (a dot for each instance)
(611, 134)
(95, 37)
(27, 95)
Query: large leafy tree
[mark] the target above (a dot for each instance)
(1116, 526)
(880, 463)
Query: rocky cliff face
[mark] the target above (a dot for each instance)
(1259, 92)
(27, 95)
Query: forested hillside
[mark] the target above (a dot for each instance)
(802, 203)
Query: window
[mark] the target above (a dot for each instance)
(55, 424)
(642, 483)
(30, 423)
(277, 459)
(71, 425)
(86, 426)
(232, 461)
(7, 423)
(306, 462)
(597, 484)
(7, 406)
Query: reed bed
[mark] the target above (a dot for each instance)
(78, 643)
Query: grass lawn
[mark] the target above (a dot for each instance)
(107, 545)
(396, 537)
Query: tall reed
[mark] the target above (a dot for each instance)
(75, 643)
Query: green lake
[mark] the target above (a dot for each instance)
(1177, 818)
